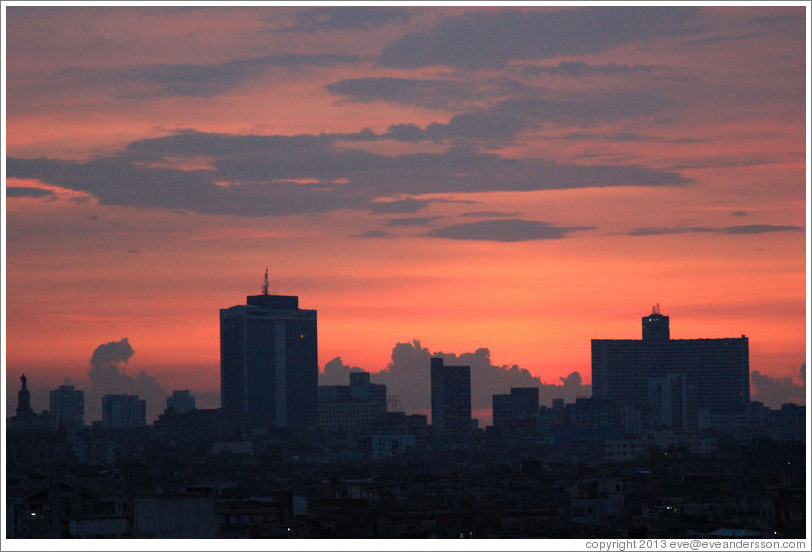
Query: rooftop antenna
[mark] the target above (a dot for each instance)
(265, 285)
(655, 309)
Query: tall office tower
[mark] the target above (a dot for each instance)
(450, 399)
(181, 402)
(123, 411)
(716, 371)
(269, 361)
(67, 405)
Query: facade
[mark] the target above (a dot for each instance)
(517, 408)
(700, 374)
(386, 446)
(400, 423)
(123, 411)
(672, 402)
(347, 416)
(67, 405)
(89, 447)
(622, 450)
(269, 361)
(179, 516)
(450, 399)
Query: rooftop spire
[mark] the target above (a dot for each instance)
(265, 285)
(24, 400)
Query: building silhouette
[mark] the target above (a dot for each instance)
(450, 399)
(181, 401)
(123, 411)
(351, 407)
(269, 361)
(517, 408)
(67, 405)
(677, 377)
(25, 418)
(24, 400)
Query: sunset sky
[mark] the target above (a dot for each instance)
(523, 179)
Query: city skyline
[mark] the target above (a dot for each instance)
(582, 470)
(410, 376)
(539, 187)
(683, 402)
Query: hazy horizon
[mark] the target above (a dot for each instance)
(406, 377)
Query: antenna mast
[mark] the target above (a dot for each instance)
(265, 285)
(655, 309)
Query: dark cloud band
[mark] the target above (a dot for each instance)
(741, 229)
(263, 175)
(506, 230)
(493, 39)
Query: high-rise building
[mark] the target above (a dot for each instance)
(123, 411)
(269, 361)
(716, 372)
(450, 399)
(516, 409)
(351, 407)
(181, 401)
(67, 405)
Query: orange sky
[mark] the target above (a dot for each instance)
(565, 187)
